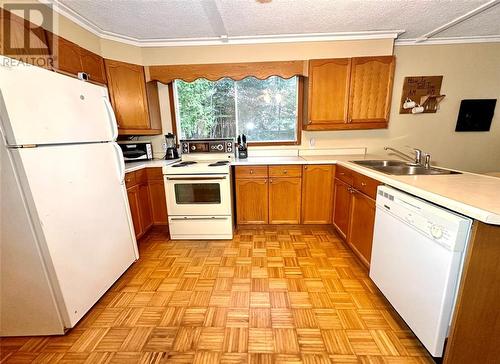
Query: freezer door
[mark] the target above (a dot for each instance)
(81, 208)
(38, 106)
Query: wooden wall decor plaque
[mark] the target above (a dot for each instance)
(416, 88)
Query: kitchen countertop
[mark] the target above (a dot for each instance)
(134, 166)
(470, 194)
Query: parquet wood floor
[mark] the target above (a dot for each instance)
(270, 295)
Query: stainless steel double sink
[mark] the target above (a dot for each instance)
(401, 168)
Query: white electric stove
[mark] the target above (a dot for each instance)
(198, 191)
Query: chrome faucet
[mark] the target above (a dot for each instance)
(417, 158)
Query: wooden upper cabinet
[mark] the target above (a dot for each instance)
(328, 92)
(93, 65)
(371, 90)
(349, 93)
(14, 36)
(317, 193)
(284, 200)
(66, 56)
(127, 88)
(70, 58)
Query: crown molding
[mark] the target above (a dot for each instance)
(180, 42)
(278, 38)
(447, 40)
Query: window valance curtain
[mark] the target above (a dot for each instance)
(236, 71)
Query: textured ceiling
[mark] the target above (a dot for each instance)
(148, 20)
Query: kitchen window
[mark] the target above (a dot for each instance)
(266, 110)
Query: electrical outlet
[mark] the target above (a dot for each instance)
(312, 142)
(164, 146)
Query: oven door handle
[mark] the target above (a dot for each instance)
(197, 218)
(194, 178)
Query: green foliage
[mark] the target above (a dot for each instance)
(262, 109)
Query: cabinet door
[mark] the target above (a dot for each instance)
(252, 201)
(361, 227)
(93, 64)
(284, 200)
(145, 207)
(370, 90)
(127, 88)
(133, 200)
(67, 56)
(341, 207)
(13, 33)
(158, 202)
(328, 89)
(317, 194)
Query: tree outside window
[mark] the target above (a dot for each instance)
(263, 110)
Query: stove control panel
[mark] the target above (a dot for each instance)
(207, 146)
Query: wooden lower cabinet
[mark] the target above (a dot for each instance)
(146, 196)
(133, 201)
(354, 211)
(158, 205)
(145, 207)
(362, 220)
(252, 200)
(317, 193)
(285, 200)
(341, 207)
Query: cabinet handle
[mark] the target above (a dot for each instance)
(363, 184)
(341, 173)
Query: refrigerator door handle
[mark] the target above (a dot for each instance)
(121, 162)
(112, 118)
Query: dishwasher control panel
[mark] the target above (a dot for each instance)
(445, 227)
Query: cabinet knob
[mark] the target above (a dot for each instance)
(270, 181)
(251, 171)
(363, 184)
(285, 171)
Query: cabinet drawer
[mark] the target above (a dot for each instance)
(130, 179)
(344, 174)
(251, 171)
(141, 176)
(154, 174)
(365, 184)
(285, 170)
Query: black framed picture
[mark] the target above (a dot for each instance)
(475, 115)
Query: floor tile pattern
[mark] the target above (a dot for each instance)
(270, 295)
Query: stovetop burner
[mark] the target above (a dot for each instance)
(183, 164)
(218, 163)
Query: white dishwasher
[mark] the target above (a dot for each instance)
(417, 260)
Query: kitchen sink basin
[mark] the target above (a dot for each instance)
(401, 168)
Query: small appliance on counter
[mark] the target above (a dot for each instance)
(134, 151)
(242, 147)
(171, 147)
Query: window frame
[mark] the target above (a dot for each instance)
(174, 112)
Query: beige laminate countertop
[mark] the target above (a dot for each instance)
(470, 194)
(134, 166)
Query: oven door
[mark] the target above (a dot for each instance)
(200, 195)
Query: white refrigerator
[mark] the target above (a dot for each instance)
(66, 231)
